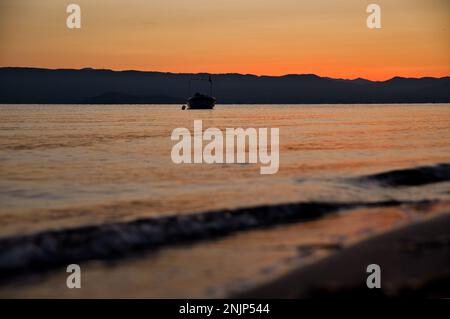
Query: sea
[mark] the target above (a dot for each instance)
(96, 185)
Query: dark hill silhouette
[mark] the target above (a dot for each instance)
(33, 85)
(121, 98)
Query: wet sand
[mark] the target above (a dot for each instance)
(414, 262)
(224, 266)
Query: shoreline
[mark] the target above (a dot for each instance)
(53, 248)
(414, 261)
(177, 238)
(214, 268)
(113, 241)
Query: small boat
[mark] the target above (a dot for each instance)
(200, 101)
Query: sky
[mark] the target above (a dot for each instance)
(263, 37)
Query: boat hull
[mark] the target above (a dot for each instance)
(201, 103)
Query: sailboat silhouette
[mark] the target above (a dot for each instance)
(201, 101)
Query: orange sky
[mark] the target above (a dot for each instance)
(272, 37)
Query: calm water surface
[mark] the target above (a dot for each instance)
(69, 165)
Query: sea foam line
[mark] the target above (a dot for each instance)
(55, 248)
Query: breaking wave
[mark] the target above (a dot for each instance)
(49, 249)
(416, 176)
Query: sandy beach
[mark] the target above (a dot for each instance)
(414, 262)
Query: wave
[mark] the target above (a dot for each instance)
(55, 248)
(416, 176)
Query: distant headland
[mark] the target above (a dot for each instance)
(95, 86)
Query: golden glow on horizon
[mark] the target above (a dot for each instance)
(271, 37)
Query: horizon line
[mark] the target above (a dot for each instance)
(228, 73)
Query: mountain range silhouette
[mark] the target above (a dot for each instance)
(98, 86)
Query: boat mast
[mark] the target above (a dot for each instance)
(189, 88)
(201, 79)
(210, 86)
